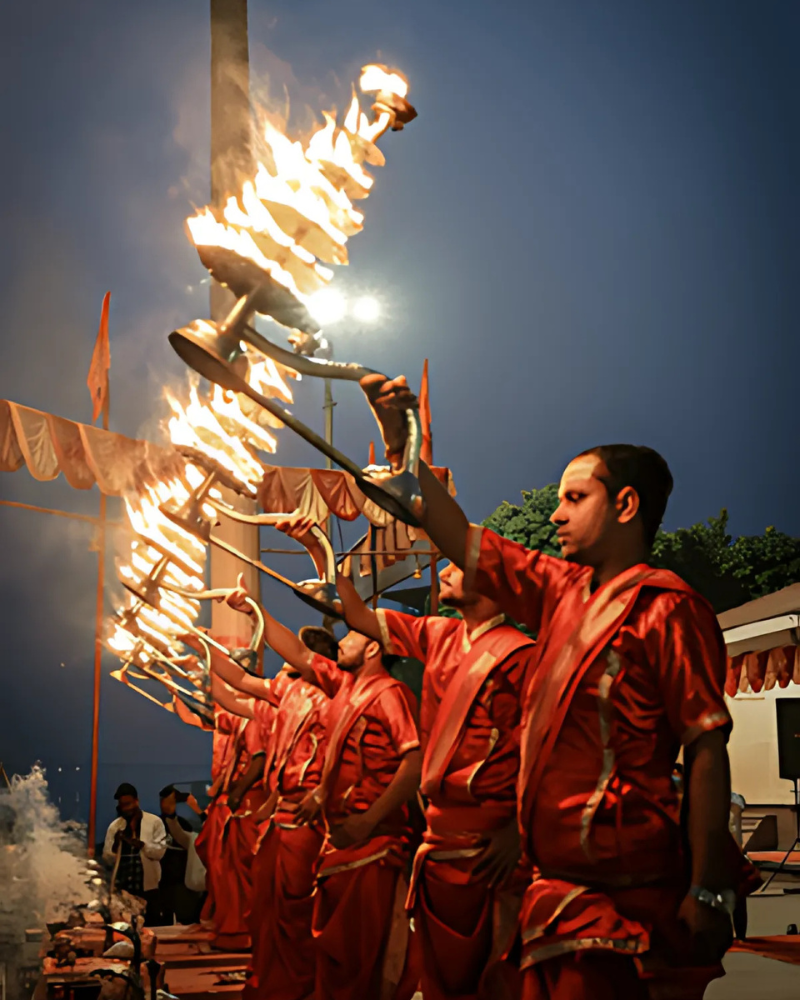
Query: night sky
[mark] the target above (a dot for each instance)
(590, 231)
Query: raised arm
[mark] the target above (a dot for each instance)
(238, 678)
(444, 521)
(285, 643)
(516, 577)
(359, 617)
(181, 837)
(228, 699)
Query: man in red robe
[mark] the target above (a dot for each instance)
(226, 728)
(284, 867)
(370, 773)
(225, 844)
(629, 667)
(467, 886)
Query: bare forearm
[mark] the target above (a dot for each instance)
(179, 835)
(358, 616)
(444, 521)
(402, 788)
(286, 644)
(229, 700)
(238, 678)
(709, 793)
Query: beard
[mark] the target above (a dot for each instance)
(350, 665)
(456, 603)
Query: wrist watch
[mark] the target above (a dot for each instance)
(724, 901)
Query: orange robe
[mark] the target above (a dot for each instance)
(284, 868)
(227, 728)
(621, 678)
(469, 729)
(226, 843)
(360, 926)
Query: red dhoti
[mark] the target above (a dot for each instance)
(207, 846)
(625, 674)
(225, 846)
(360, 925)
(469, 724)
(619, 943)
(585, 975)
(361, 929)
(283, 966)
(464, 926)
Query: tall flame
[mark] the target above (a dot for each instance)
(293, 219)
(223, 428)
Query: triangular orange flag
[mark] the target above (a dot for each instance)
(97, 379)
(426, 453)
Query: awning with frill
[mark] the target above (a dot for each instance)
(763, 642)
(314, 492)
(49, 446)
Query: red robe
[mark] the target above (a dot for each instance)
(226, 731)
(226, 842)
(469, 730)
(621, 678)
(284, 868)
(360, 926)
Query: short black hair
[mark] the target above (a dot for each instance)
(320, 640)
(126, 788)
(167, 790)
(645, 471)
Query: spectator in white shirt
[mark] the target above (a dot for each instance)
(134, 845)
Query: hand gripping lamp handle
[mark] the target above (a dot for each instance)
(214, 352)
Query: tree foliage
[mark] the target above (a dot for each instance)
(529, 523)
(727, 571)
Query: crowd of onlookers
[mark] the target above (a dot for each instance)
(153, 857)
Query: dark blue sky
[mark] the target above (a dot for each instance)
(590, 231)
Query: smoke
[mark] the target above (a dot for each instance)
(42, 859)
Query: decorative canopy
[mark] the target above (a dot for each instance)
(49, 445)
(762, 639)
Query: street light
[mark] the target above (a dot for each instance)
(367, 309)
(328, 306)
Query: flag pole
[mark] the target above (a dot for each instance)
(100, 594)
(98, 661)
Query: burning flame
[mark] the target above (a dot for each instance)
(163, 553)
(292, 220)
(295, 217)
(378, 79)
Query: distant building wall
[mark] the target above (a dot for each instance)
(753, 748)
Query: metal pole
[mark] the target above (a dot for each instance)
(48, 510)
(98, 656)
(231, 165)
(328, 408)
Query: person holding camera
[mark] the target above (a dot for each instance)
(135, 843)
(177, 902)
